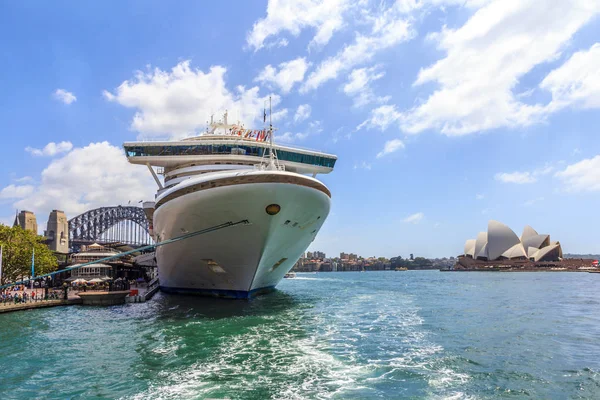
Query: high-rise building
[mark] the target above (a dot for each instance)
(57, 230)
(343, 256)
(26, 220)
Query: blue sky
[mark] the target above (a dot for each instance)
(443, 113)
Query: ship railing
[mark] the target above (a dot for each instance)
(276, 143)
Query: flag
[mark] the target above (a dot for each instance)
(265, 116)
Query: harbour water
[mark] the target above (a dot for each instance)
(373, 335)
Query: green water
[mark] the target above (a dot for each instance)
(374, 335)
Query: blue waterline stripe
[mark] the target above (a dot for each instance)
(233, 294)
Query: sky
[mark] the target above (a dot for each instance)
(444, 114)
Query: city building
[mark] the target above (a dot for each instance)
(501, 243)
(57, 232)
(315, 255)
(26, 220)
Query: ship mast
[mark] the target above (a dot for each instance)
(271, 152)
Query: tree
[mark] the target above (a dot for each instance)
(17, 248)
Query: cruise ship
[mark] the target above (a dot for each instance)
(229, 174)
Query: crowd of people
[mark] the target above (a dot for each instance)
(23, 296)
(42, 291)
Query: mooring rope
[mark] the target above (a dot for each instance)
(151, 246)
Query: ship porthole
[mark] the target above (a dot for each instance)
(273, 209)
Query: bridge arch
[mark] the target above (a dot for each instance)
(123, 224)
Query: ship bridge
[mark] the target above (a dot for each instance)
(224, 150)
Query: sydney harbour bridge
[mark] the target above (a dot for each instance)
(110, 225)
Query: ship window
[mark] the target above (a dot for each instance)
(248, 150)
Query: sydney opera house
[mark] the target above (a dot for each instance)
(501, 243)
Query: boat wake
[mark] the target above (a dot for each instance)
(365, 347)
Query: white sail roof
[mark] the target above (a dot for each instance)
(483, 252)
(480, 243)
(537, 241)
(548, 253)
(528, 231)
(500, 239)
(531, 252)
(470, 247)
(515, 252)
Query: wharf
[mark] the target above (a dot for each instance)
(138, 294)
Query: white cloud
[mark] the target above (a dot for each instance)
(381, 117)
(293, 16)
(545, 170)
(583, 176)
(178, 103)
(486, 57)
(302, 113)
(314, 128)
(516, 177)
(283, 42)
(89, 177)
(390, 147)
(362, 165)
(389, 27)
(479, 196)
(531, 202)
(525, 176)
(290, 73)
(51, 149)
(278, 115)
(64, 96)
(289, 137)
(577, 81)
(16, 191)
(358, 85)
(414, 218)
(23, 179)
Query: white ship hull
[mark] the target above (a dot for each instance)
(243, 260)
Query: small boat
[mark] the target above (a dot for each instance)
(290, 275)
(401, 269)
